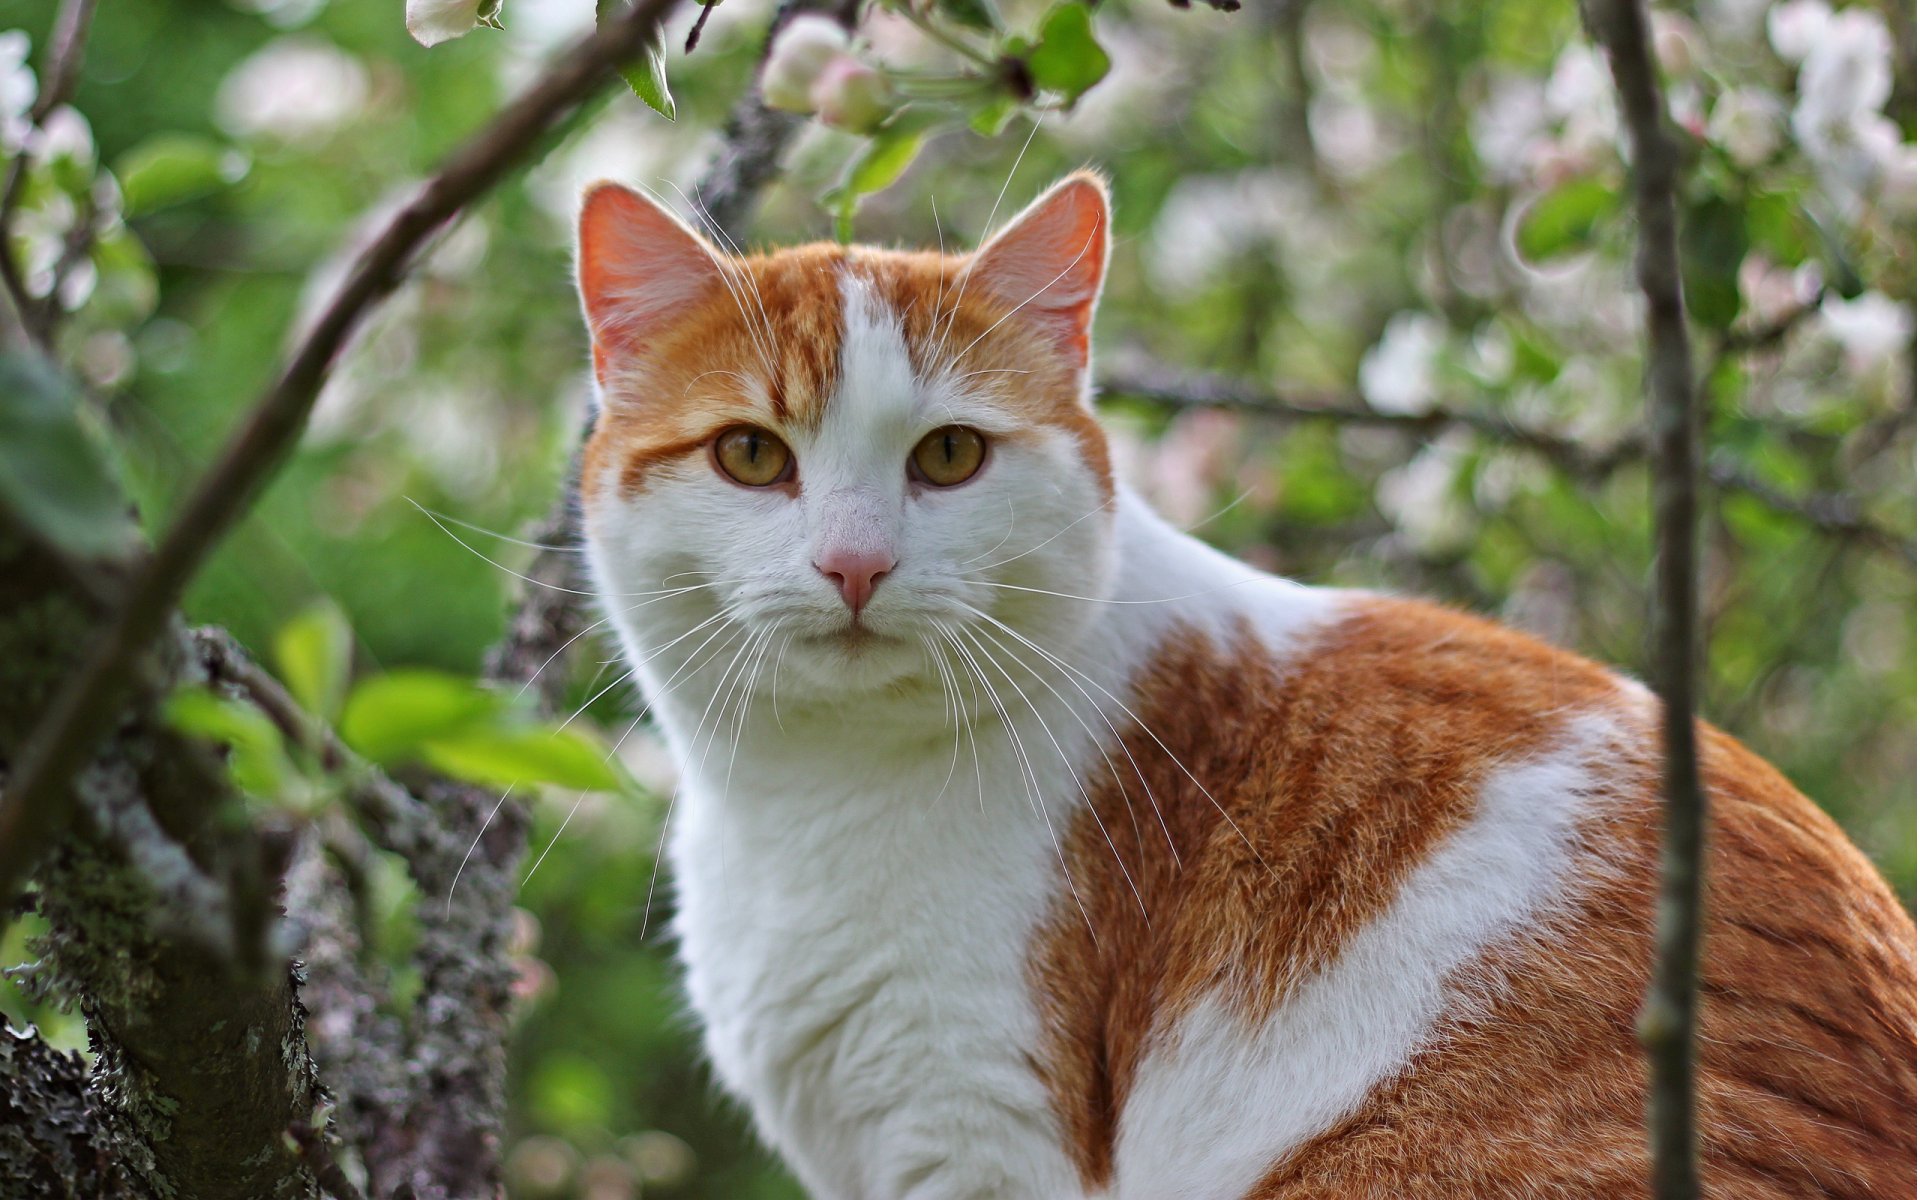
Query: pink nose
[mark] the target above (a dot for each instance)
(854, 572)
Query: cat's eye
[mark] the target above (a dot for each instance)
(949, 456)
(749, 455)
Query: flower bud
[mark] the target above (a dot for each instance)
(853, 96)
(803, 49)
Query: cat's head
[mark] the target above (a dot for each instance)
(849, 454)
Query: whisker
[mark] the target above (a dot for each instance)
(492, 533)
(1060, 533)
(555, 840)
(966, 272)
(1035, 794)
(1175, 760)
(1060, 665)
(1072, 771)
(554, 587)
(468, 856)
(1098, 744)
(1008, 315)
(1011, 520)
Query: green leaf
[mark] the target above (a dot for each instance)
(1068, 59)
(1564, 220)
(314, 652)
(991, 118)
(488, 14)
(53, 465)
(171, 168)
(388, 716)
(887, 157)
(972, 14)
(257, 758)
(1713, 240)
(504, 756)
(648, 79)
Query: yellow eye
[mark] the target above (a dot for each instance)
(752, 456)
(949, 455)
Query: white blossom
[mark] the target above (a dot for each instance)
(434, 21)
(297, 88)
(1772, 293)
(1794, 27)
(1848, 71)
(1397, 375)
(64, 134)
(1510, 126)
(18, 87)
(1870, 330)
(1423, 498)
(1747, 124)
(1580, 95)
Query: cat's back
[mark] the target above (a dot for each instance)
(1384, 893)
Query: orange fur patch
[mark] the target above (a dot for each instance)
(1341, 771)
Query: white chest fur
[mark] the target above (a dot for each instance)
(855, 931)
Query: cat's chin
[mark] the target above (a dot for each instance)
(853, 658)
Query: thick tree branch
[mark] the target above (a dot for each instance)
(1668, 1015)
(1835, 514)
(81, 714)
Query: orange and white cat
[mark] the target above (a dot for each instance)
(1029, 848)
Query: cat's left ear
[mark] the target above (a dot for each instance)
(1051, 259)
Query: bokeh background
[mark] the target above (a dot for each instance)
(1407, 206)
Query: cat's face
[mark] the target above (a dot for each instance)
(844, 457)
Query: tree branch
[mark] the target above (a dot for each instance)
(1836, 514)
(1669, 1012)
(34, 807)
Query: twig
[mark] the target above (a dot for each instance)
(1668, 1014)
(700, 24)
(82, 712)
(1834, 513)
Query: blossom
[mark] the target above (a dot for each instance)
(849, 94)
(1796, 26)
(1423, 498)
(1870, 330)
(1397, 375)
(1676, 43)
(801, 53)
(1772, 293)
(1847, 72)
(17, 87)
(434, 21)
(1509, 126)
(1746, 123)
(297, 88)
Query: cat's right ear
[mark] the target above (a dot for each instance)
(640, 267)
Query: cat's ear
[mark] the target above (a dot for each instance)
(1051, 259)
(640, 267)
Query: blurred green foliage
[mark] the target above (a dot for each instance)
(1417, 203)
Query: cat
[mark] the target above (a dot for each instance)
(1029, 848)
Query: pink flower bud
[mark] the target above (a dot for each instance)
(853, 96)
(804, 48)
